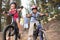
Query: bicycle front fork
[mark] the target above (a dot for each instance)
(35, 34)
(41, 35)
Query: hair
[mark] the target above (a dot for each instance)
(20, 7)
(14, 4)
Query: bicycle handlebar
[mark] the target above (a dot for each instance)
(39, 17)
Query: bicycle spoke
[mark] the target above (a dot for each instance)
(7, 36)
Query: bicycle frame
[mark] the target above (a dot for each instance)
(40, 30)
(13, 32)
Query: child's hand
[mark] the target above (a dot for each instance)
(41, 14)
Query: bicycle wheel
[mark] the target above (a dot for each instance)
(7, 33)
(35, 35)
(44, 35)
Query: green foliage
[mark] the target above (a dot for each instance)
(58, 17)
(0, 12)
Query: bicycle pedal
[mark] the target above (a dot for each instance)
(11, 34)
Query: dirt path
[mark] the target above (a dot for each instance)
(1, 36)
(52, 30)
(25, 36)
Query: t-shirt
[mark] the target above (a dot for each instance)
(33, 18)
(26, 20)
(15, 14)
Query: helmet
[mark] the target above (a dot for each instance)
(34, 7)
(21, 7)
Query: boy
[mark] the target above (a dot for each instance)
(33, 20)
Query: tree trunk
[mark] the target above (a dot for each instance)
(8, 20)
(0, 12)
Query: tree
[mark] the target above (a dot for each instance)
(0, 12)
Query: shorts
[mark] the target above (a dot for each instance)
(26, 25)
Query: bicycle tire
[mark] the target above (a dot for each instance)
(5, 30)
(35, 34)
(44, 35)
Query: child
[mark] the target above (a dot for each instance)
(13, 12)
(26, 20)
(34, 14)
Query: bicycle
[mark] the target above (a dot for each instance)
(11, 31)
(40, 31)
